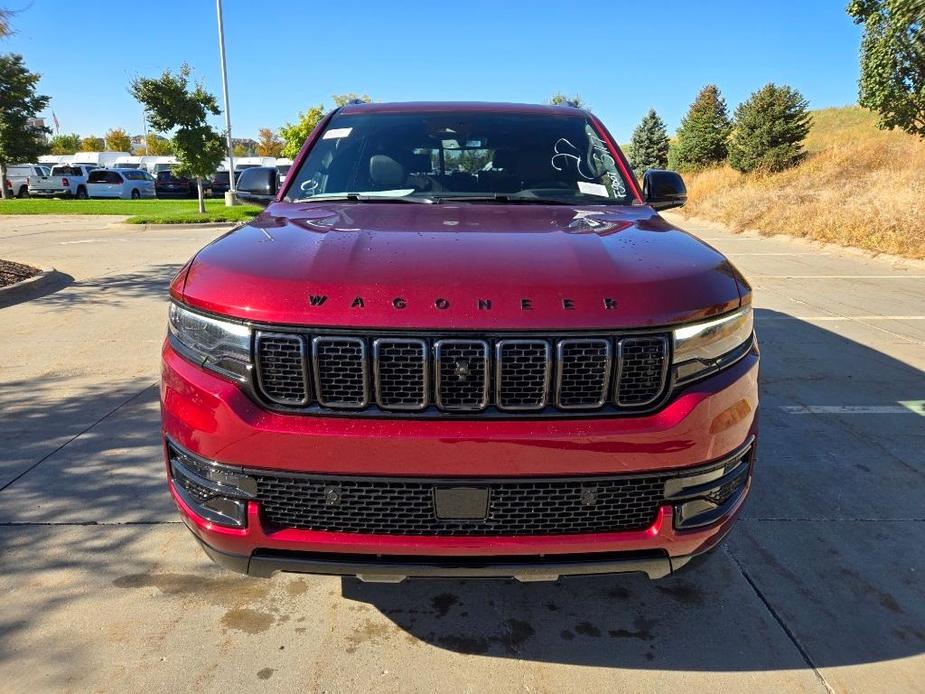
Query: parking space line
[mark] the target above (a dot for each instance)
(902, 408)
(838, 277)
(838, 318)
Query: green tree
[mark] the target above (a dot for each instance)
(649, 145)
(268, 144)
(158, 145)
(173, 104)
(769, 129)
(703, 134)
(239, 150)
(65, 144)
(344, 99)
(117, 140)
(92, 143)
(295, 134)
(19, 141)
(893, 61)
(560, 99)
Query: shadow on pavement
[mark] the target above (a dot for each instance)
(825, 567)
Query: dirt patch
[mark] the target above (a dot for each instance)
(11, 273)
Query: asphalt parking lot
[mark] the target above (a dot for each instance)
(821, 586)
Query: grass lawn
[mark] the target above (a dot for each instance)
(141, 211)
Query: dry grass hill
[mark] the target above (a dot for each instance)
(858, 186)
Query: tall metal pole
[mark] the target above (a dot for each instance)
(229, 196)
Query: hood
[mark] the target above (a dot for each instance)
(461, 266)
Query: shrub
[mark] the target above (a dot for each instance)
(769, 130)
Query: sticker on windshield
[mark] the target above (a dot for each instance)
(336, 133)
(593, 189)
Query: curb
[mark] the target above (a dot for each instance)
(32, 287)
(177, 227)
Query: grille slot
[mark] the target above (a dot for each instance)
(643, 368)
(341, 371)
(398, 507)
(462, 368)
(281, 368)
(584, 373)
(402, 373)
(523, 374)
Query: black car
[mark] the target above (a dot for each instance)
(166, 185)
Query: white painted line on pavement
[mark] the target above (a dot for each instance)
(838, 277)
(851, 409)
(822, 319)
(733, 254)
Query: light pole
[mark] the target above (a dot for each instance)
(230, 195)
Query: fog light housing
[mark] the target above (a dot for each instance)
(708, 497)
(215, 492)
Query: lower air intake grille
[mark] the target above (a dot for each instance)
(281, 368)
(399, 507)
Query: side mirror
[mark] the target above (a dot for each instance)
(258, 184)
(663, 189)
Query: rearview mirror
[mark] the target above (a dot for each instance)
(258, 184)
(663, 189)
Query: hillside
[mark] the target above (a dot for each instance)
(859, 186)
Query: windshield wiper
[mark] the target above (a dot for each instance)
(498, 197)
(364, 197)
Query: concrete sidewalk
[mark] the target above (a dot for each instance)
(819, 588)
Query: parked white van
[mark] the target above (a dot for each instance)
(162, 164)
(50, 160)
(283, 165)
(132, 162)
(99, 159)
(241, 163)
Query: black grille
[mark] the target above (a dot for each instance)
(399, 507)
(281, 368)
(643, 367)
(522, 374)
(401, 373)
(584, 373)
(340, 371)
(519, 375)
(462, 374)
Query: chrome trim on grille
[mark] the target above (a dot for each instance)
(261, 335)
(499, 375)
(319, 386)
(425, 365)
(666, 363)
(438, 348)
(605, 389)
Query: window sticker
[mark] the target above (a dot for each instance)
(593, 189)
(336, 133)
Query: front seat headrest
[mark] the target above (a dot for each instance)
(385, 171)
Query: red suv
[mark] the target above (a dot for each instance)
(459, 341)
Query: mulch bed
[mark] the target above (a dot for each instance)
(11, 272)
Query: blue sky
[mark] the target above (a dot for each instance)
(285, 56)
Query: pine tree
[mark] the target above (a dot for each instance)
(649, 145)
(769, 129)
(704, 132)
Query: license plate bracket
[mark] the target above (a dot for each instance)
(461, 503)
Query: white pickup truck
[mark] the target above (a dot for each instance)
(66, 180)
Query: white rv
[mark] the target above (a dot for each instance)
(162, 164)
(283, 165)
(50, 160)
(102, 160)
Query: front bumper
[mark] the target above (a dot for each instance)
(212, 418)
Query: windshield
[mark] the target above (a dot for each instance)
(483, 156)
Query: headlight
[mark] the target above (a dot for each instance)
(704, 348)
(216, 345)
